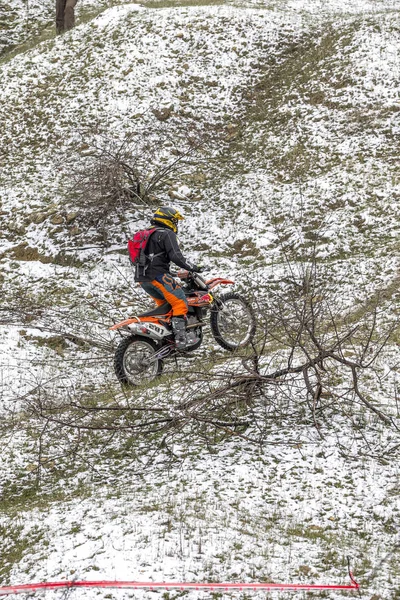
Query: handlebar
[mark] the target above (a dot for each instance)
(196, 277)
(199, 280)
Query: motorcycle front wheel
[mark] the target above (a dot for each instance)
(233, 323)
(134, 361)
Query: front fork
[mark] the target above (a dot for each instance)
(217, 305)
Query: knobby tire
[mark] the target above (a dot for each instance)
(218, 335)
(119, 359)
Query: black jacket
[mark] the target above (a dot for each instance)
(163, 245)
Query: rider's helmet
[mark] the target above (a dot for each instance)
(167, 216)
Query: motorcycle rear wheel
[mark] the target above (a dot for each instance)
(233, 323)
(132, 361)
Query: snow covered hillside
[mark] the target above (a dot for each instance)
(295, 107)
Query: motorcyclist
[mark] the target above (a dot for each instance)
(155, 278)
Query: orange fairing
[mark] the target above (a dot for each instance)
(200, 299)
(212, 283)
(143, 319)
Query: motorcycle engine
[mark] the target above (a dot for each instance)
(192, 337)
(193, 334)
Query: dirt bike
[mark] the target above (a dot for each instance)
(148, 339)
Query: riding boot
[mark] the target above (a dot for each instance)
(179, 329)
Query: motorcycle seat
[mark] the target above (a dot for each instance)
(159, 310)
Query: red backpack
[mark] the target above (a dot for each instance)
(137, 246)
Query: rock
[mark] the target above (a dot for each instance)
(26, 253)
(52, 208)
(71, 217)
(174, 195)
(16, 228)
(37, 218)
(163, 114)
(198, 177)
(57, 219)
(304, 569)
(233, 131)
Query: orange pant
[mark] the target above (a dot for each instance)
(165, 289)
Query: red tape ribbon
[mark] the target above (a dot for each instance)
(53, 585)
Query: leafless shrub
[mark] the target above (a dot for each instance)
(321, 366)
(114, 176)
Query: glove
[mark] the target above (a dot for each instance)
(195, 268)
(199, 268)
